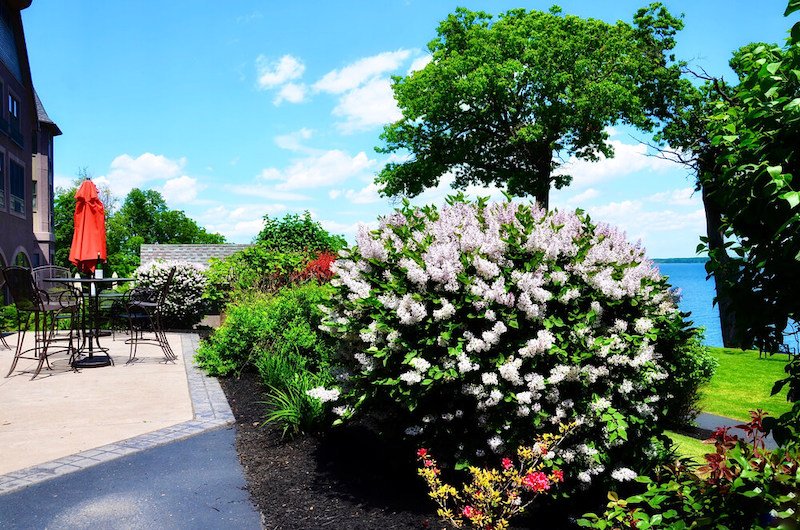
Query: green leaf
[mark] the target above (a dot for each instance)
(792, 197)
(793, 6)
(773, 67)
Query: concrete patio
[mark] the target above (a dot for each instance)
(64, 421)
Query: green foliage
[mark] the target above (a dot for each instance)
(501, 96)
(786, 428)
(272, 333)
(8, 318)
(290, 406)
(295, 233)
(278, 336)
(741, 486)
(255, 268)
(755, 127)
(692, 369)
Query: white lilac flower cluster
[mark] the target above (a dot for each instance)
(503, 319)
(324, 394)
(184, 306)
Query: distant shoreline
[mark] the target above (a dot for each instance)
(703, 259)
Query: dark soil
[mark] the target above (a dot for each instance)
(346, 479)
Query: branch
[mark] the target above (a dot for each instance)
(718, 82)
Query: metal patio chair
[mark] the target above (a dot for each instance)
(145, 311)
(39, 311)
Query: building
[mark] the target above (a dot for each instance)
(26, 151)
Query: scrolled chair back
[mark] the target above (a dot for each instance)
(24, 294)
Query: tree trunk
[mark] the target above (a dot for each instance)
(716, 245)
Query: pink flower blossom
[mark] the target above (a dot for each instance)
(536, 481)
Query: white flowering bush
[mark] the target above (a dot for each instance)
(185, 305)
(475, 326)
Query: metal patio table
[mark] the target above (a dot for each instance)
(90, 321)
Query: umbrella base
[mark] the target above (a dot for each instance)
(95, 361)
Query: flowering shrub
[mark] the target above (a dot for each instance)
(185, 305)
(742, 485)
(475, 326)
(495, 495)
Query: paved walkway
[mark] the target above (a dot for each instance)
(178, 470)
(707, 423)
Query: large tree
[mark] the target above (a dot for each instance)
(687, 141)
(501, 98)
(755, 127)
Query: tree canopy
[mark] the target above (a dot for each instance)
(143, 217)
(501, 97)
(296, 233)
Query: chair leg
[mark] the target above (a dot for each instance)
(21, 331)
(161, 337)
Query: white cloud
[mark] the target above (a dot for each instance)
(127, 172)
(361, 71)
(348, 230)
(334, 194)
(182, 189)
(627, 159)
(366, 195)
(323, 170)
(580, 198)
(420, 62)
(679, 197)
(239, 224)
(665, 232)
(367, 106)
(291, 92)
(293, 140)
(275, 73)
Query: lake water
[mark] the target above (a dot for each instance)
(697, 297)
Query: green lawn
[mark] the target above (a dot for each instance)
(743, 382)
(690, 447)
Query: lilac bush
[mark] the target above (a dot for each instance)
(475, 326)
(185, 305)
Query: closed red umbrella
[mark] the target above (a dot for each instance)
(89, 238)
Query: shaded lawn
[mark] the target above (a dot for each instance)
(743, 382)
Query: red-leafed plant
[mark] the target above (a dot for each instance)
(317, 269)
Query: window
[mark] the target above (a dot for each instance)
(13, 119)
(34, 197)
(13, 108)
(21, 260)
(17, 181)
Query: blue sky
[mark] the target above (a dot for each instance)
(234, 110)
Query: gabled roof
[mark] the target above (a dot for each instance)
(42, 115)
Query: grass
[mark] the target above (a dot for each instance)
(690, 447)
(743, 382)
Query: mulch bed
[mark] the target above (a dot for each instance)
(346, 479)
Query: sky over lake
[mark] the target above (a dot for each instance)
(234, 110)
